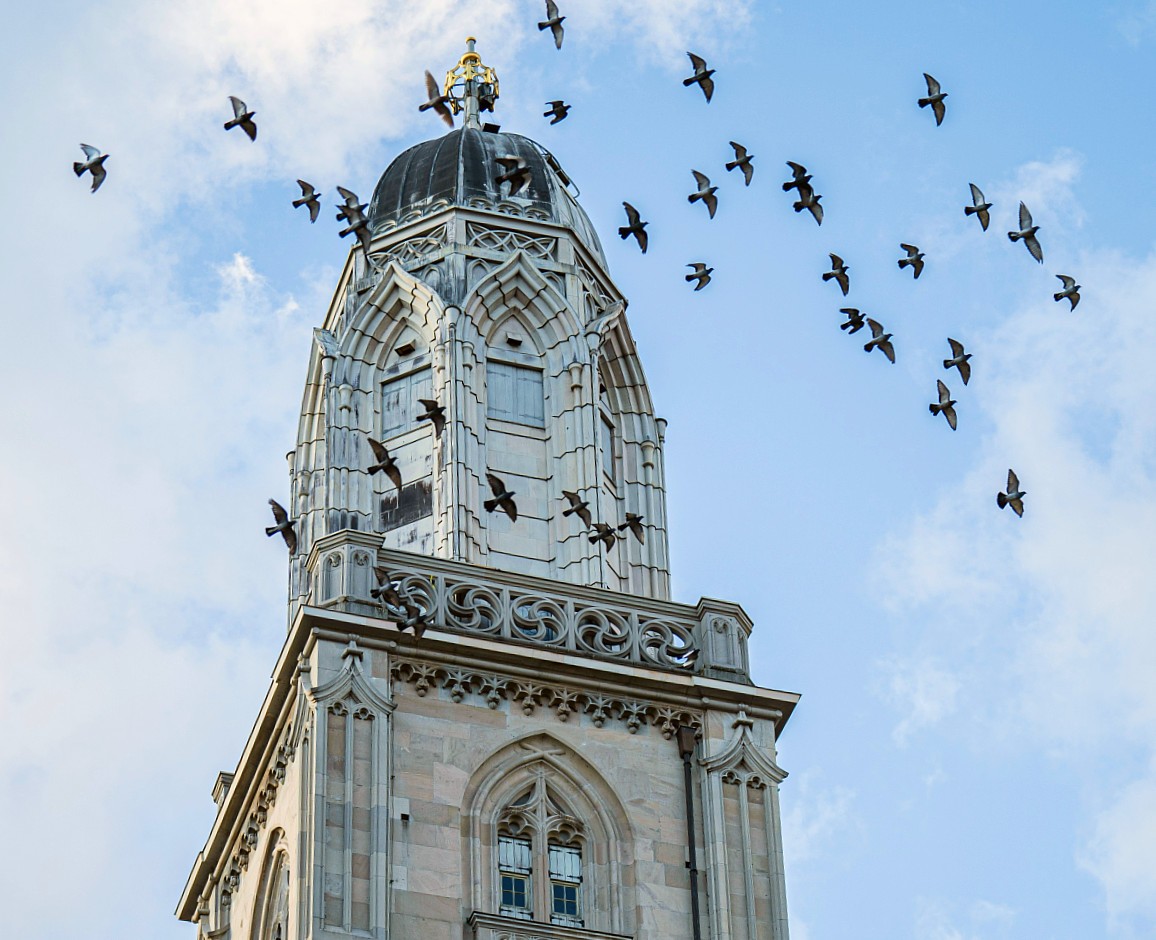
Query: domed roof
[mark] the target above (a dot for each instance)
(461, 169)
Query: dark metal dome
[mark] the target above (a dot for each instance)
(461, 169)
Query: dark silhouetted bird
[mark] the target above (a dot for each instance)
(705, 192)
(94, 164)
(384, 462)
(742, 159)
(701, 77)
(809, 199)
(979, 206)
(502, 497)
(437, 101)
(854, 322)
(1071, 290)
(880, 340)
(434, 413)
(1028, 233)
(701, 274)
(636, 227)
(578, 506)
(946, 404)
(800, 178)
(553, 23)
(839, 273)
(914, 259)
(603, 533)
(559, 110)
(1014, 496)
(284, 526)
(412, 616)
(309, 197)
(353, 212)
(958, 359)
(634, 524)
(242, 118)
(934, 98)
(517, 174)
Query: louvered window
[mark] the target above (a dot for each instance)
(565, 884)
(515, 863)
(399, 401)
(514, 393)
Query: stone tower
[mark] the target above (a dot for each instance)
(481, 727)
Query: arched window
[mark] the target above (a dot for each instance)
(272, 907)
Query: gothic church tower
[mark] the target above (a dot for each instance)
(553, 749)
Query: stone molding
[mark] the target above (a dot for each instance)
(494, 927)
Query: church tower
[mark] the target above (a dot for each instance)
(484, 724)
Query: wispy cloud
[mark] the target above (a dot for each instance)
(922, 690)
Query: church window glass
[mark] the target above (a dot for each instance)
(515, 862)
(565, 863)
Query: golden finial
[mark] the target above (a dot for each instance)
(471, 85)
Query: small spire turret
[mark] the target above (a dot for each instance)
(471, 86)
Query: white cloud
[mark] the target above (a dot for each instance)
(922, 690)
(985, 920)
(1138, 24)
(814, 817)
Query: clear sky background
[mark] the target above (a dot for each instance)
(974, 757)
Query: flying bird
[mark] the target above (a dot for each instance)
(1071, 290)
(94, 164)
(701, 274)
(880, 340)
(553, 23)
(559, 109)
(242, 118)
(502, 497)
(854, 322)
(437, 100)
(946, 404)
(634, 524)
(434, 413)
(413, 617)
(742, 159)
(1028, 233)
(800, 178)
(517, 174)
(309, 197)
(385, 462)
(934, 98)
(914, 259)
(578, 506)
(353, 212)
(705, 192)
(839, 273)
(352, 201)
(284, 526)
(958, 359)
(701, 77)
(809, 199)
(636, 227)
(979, 206)
(1014, 496)
(604, 533)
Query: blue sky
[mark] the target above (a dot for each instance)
(973, 757)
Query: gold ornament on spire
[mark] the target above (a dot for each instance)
(471, 85)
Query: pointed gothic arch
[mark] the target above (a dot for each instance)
(271, 903)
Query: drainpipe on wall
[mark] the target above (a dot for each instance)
(687, 740)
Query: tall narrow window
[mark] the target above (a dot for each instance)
(515, 865)
(515, 393)
(565, 884)
(399, 401)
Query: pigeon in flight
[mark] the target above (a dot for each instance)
(1014, 496)
(433, 412)
(979, 207)
(914, 259)
(242, 118)
(437, 100)
(701, 77)
(879, 340)
(605, 534)
(517, 174)
(946, 404)
(800, 178)
(284, 526)
(1028, 233)
(309, 197)
(578, 506)
(809, 199)
(854, 322)
(353, 212)
(413, 617)
(502, 497)
(701, 274)
(553, 23)
(839, 273)
(559, 110)
(1071, 290)
(958, 359)
(634, 524)
(705, 192)
(934, 98)
(742, 159)
(94, 164)
(385, 462)
(636, 227)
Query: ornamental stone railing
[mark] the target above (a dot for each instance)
(494, 927)
(709, 638)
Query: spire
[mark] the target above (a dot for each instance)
(471, 86)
